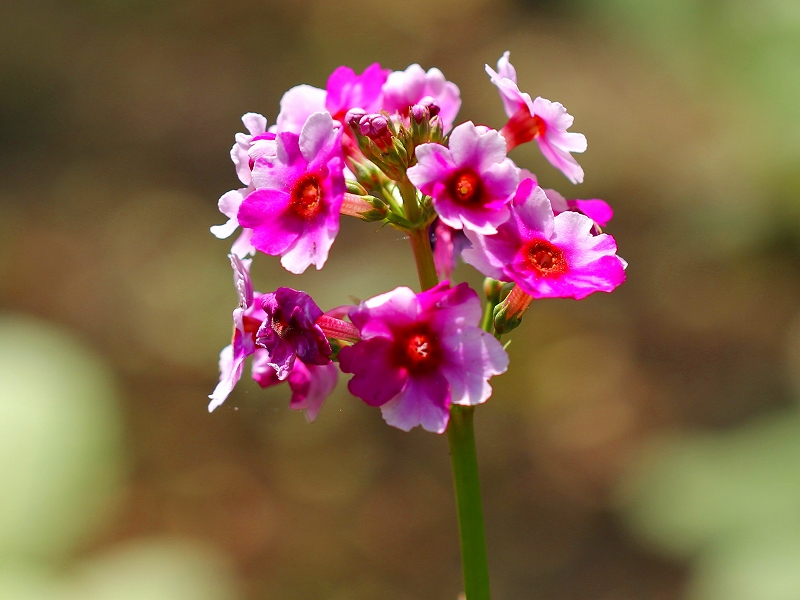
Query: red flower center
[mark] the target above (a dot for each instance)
(544, 258)
(417, 349)
(306, 199)
(523, 127)
(465, 187)
(251, 326)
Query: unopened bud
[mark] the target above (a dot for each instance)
(419, 113)
(353, 116)
(430, 103)
(374, 126)
(508, 314)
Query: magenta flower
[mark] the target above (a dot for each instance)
(310, 384)
(546, 122)
(547, 256)
(404, 89)
(471, 182)
(294, 210)
(230, 201)
(247, 318)
(421, 352)
(344, 90)
(289, 331)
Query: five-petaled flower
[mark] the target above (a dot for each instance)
(294, 210)
(541, 120)
(547, 256)
(471, 181)
(420, 353)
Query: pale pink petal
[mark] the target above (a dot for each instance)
(473, 149)
(230, 372)
(316, 134)
(311, 385)
(473, 357)
(297, 105)
(424, 401)
(434, 162)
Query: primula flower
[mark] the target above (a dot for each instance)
(344, 90)
(547, 256)
(471, 182)
(247, 318)
(230, 201)
(294, 210)
(546, 122)
(421, 352)
(404, 89)
(290, 331)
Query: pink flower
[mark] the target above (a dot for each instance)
(294, 210)
(230, 201)
(546, 122)
(547, 256)
(404, 89)
(310, 384)
(471, 182)
(421, 352)
(597, 210)
(247, 318)
(289, 331)
(344, 90)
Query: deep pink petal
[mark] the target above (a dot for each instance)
(265, 212)
(375, 379)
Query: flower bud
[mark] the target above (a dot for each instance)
(508, 314)
(430, 103)
(492, 289)
(353, 116)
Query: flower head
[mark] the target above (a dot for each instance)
(294, 210)
(404, 89)
(547, 256)
(541, 120)
(471, 182)
(421, 352)
(290, 331)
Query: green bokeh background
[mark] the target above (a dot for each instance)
(643, 445)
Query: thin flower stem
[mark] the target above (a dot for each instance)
(474, 560)
(463, 456)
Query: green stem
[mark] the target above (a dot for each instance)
(463, 455)
(461, 435)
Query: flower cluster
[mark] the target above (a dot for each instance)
(383, 146)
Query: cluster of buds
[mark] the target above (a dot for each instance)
(383, 147)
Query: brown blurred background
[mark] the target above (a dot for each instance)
(627, 423)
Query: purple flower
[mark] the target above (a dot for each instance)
(471, 182)
(230, 201)
(294, 210)
(546, 122)
(547, 256)
(421, 352)
(247, 318)
(290, 331)
(404, 89)
(310, 384)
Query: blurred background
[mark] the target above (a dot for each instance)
(643, 445)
